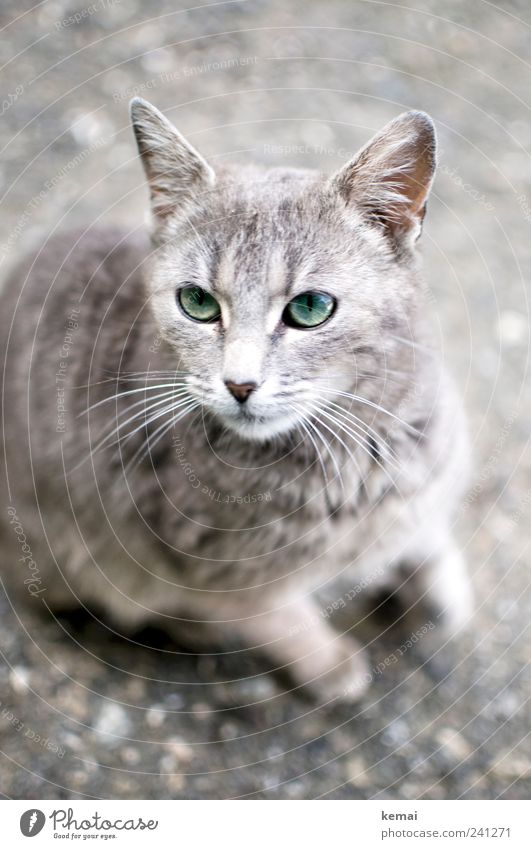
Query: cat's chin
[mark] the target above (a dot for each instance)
(260, 429)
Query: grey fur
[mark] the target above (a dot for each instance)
(235, 518)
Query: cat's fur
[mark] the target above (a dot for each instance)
(238, 513)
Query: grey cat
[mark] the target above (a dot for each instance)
(205, 427)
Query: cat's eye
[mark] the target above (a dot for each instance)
(198, 304)
(310, 309)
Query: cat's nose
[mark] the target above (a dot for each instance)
(240, 391)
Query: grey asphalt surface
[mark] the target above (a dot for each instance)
(84, 713)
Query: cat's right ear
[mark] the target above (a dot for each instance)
(175, 171)
(390, 178)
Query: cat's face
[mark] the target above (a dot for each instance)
(279, 288)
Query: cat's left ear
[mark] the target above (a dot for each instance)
(176, 172)
(390, 178)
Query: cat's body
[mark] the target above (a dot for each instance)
(238, 512)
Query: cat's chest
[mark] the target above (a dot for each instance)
(244, 495)
(269, 511)
(303, 540)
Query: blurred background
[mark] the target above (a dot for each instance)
(84, 714)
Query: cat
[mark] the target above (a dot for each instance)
(207, 423)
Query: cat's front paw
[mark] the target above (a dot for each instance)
(442, 586)
(323, 663)
(449, 592)
(347, 677)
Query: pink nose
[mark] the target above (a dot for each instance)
(240, 391)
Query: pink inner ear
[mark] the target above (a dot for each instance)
(175, 171)
(391, 176)
(416, 181)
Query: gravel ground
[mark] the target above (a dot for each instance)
(86, 715)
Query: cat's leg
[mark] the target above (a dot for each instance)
(300, 641)
(439, 580)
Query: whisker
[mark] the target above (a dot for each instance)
(146, 410)
(148, 445)
(170, 408)
(329, 429)
(133, 375)
(119, 374)
(365, 375)
(362, 444)
(168, 394)
(369, 428)
(304, 424)
(103, 440)
(358, 423)
(327, 445)
(144, 378)
(301, 437)
(375, 406)
(412, 344)
(132, 392)
(346, 428)
(354, 436)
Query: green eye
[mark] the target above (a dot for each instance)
(198, 304)
(309, 310)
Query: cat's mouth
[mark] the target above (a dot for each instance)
(248, 416)
(258, 426)
(255, 420)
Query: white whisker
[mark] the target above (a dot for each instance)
(336, 436)
(119, 377)
(170, 406)
(360, 425)
(412, 344)
(149, 401)
(313, 426)
(144, 389)
(304, 424)
(364, 375)
(375, 406)
(354, 436)
(150, 441)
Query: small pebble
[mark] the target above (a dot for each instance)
(453, 743)
(130, 755)
(356, 772)
(181, 750)
(513, 328)
(112, 720)
(155, 717)
(19, 678)
(511, 767)
(228, 731)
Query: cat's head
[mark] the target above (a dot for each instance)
(278, 287)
